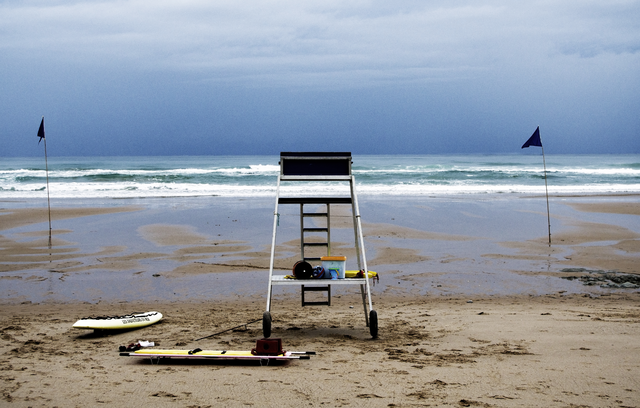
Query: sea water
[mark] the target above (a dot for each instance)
(376, 175)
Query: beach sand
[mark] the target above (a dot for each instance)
(521, 351)
(475, 308)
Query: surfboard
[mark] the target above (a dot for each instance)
(154, 354)
(130, 321)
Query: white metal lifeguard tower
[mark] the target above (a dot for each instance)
(319, 167)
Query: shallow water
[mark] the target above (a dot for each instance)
(452, 267)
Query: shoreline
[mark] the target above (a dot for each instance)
(361, 195)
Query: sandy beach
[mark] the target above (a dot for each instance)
(475, 307)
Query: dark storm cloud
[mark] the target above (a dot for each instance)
(200, 77)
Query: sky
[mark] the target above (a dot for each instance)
(192, 77)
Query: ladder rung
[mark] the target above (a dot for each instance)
(315, 229)
(315, 214)
(316, 304)
(315, 244)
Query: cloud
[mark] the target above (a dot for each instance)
(284, 41)
(602, 28)
(334, 44)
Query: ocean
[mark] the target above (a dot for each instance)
(376, 175)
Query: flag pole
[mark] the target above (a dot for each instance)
(46, 165)
(41, 135)
(546, 189)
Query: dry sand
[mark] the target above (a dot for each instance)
(550, 350)
(546, 351)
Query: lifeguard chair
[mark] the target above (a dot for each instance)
(317, 167)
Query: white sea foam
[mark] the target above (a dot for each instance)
(136, 190)
(255, 176)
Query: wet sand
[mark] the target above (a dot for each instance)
(475, 308)
(159, 250)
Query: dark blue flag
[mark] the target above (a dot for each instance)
(41, 131)
(534, 140)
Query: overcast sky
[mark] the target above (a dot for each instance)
(153, 77)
